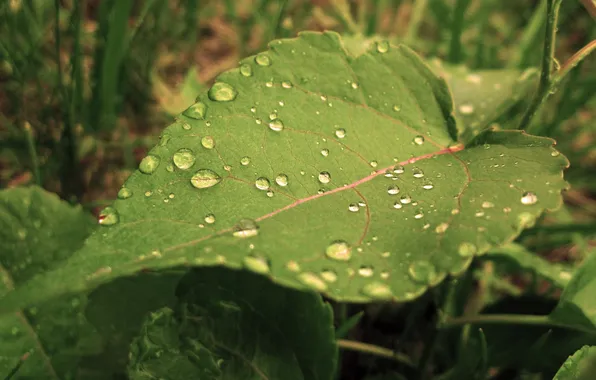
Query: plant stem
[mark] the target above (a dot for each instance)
(457, 27)
(511, 319)
(32, 153)
(575, 60)
(544, 88)
(529, 38)
(375, 350)
(415, 20)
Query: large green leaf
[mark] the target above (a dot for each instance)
(579, 366)
(38, 232)
(320, 170)
(237, 325)
(482, 97)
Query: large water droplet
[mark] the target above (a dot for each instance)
(205, 178)
(312, 281)
(377, 290)
(422, 272)
(208, 142)
(124, 193)
(382, 46)
(419, 140)
(392, 190)
(281, 180)
(108, 217)
(246, 228)
(149, 164)
(222, 92)
(184, 158)
(246, 70)
(263, 60)
(196, 111)
(276, 125)
(340, 133)
(339, 250)
(324, 177)
(529, 198)
(245, 161)
(262, 183)
(466, 249)
(256, 264)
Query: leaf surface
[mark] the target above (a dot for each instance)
(38, 232)
(277, 333)
(580, 366)
(321, 170)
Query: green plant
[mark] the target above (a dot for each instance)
(347, 168)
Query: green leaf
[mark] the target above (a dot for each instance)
(482, 97)
(345, 179)
(577, 306)
(517, 258)
(38, 232)
(580, 366)
(276, 333)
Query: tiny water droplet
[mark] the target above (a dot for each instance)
(441, 228)
(253, 109)
(276, 125)
(397, 205)
(196, 111)
(487, 204)
(396, 108)
(377, 290)
(399, 169)
(209, 218)
(262, 183)
(108, 216)
(246, 228)
(281, 180)
(324, 177)
(246, 70)
(286, 84)
(529, 198)
(419, 140)
(184, 158)
(170, 168)
(269, 84)
(263, 60)
(186, 126)
(339, 250)
(245, 161)
(392, 190)
(374, 164)
(256, 264)
(354, 85)
(329, 275)
(340, 133)
(382, 46)
(466, 249)
(466, 109)
(208, 142)
(419, 214)
(205, 178)
(124, 193)
(422, 272)
(149, 164)
(312, 281)
(365, 271)
(325, 152)
(222, 92)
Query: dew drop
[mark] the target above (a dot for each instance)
(262, 183)
(208, 142)
(124, 193)
(382, 46)
(324, 177)
(353, 207)
(286, 84)
(253, 109)
(428, 185)
(281, 180)
(340, 133)
(355, 85)
(419, 214)
(555, 153)
(399, 169)
(392, 190)
(312, 281)
(108, 216)
(466, 109)
(256, 264)
(245, 161)
(466, 249)
(222, 92)
(184, 159)
(377, 290)
(325, 152)
(263, 60)
(186, 126)
(441, 228)
(149, 164)
(396, 108)
(339, 250)
(419, 140)
(422, 272)
(246, 228)
(365, 271)
(209, 218)
(276, 125)
(397, 205)
(196, 111)
(405, 199)
(205, 178)
(529, 198)
(329, 275)
(417, 173)
(246, 70)
(487, 204)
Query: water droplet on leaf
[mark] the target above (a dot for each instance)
(184, 158)
(324, 177)
(419, 140)
(205, 178)
(382, 46)
(256, 264)
(209, 218)
(422, 272)
(339, 250)
(392, 190)
(108, 217)
(246, 228)
(340, 133)
(208, 142)
(222, 92)
(276, 125)
(281, 180)
(262, 183)
(149, 164)
(529, 198)
(246, 70)
(466, 249)
(124, 193)
(263, 60)
(245, 161)
(312, 281)
(377, 290)
(196, 111)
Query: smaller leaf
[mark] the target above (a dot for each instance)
(579, 366)
(517, 258)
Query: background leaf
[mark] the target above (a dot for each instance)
(579, 366)
(277, 333)
(322, 171)
(38, 232)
